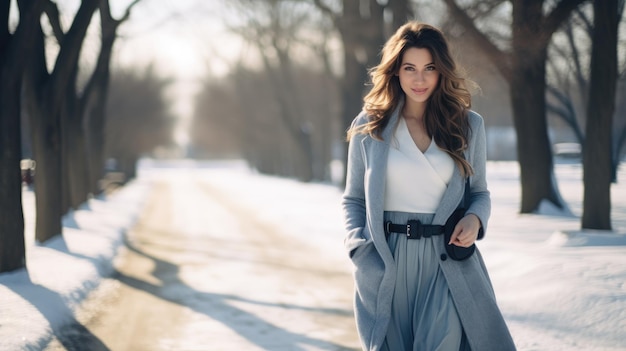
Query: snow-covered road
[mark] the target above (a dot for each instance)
(200, 272)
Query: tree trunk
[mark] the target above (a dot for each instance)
(46, 146)
(12, 251)
(13, 49)
(45, 129)
(74, 152)
(95, 148)
(527, 91)
(597, 162)
(401, 11)
(48, 184)
(94, 103)
(362, 38)
(45, 93)
(527, 86)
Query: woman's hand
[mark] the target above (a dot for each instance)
(466, 231)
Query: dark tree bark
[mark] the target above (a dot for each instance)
(46, 94)
(94, 107)
(597, 162)
(93, 103)
(45, 132)
(14, 47)
(75, 174)
(564, 106)
(73, 156)
(401, 12)
(524, 69)
(362, 35)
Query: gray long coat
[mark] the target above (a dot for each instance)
(374, 269)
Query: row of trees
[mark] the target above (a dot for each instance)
(523, 65)
(297, 39)
(568, 84)
(65, 111)
(290, 106)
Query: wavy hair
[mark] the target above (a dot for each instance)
(446, 115)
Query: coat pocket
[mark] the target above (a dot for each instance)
(355, 239)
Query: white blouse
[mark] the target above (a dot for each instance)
(415, 181)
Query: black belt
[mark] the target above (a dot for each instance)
(414, 229)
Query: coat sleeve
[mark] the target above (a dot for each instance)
(353, 200)
(480, 199)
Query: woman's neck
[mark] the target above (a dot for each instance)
(414, 111)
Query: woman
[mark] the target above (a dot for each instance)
(410, 152)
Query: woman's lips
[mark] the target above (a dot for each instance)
(420, 91)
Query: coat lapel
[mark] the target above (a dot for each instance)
(376, 152)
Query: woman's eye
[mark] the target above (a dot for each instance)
(430, 68)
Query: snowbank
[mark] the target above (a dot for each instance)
(36, 303)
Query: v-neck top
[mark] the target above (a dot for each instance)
(415, 180)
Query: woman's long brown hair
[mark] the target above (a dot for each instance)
(446, 115)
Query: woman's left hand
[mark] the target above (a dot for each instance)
(466, 231)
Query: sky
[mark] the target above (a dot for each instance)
(186, 40)
(183, 38)
(558, 288)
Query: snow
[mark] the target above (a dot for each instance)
(35, 304)
(559, 288)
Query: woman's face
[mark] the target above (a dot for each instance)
(418, 75)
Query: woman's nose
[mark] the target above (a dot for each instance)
(419, 77)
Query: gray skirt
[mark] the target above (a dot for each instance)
(423, 314)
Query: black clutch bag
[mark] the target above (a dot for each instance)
(458, 253)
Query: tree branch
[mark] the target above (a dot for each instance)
(106, 17)
(68, 55)
(586, 21)
(567, 112)
(128, 9)
(499, 58)
(326, 10)
(578, 69)
(559, 14)
(481, 9)
(52, 12)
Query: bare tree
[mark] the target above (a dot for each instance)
(523, 64)
(567, 79)
(45, 93)
(285, 33)
(253, 131)
(597, 162)
(79, 105)
(568, 85)
(73, 158)
(14, 47)
(94, 99)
